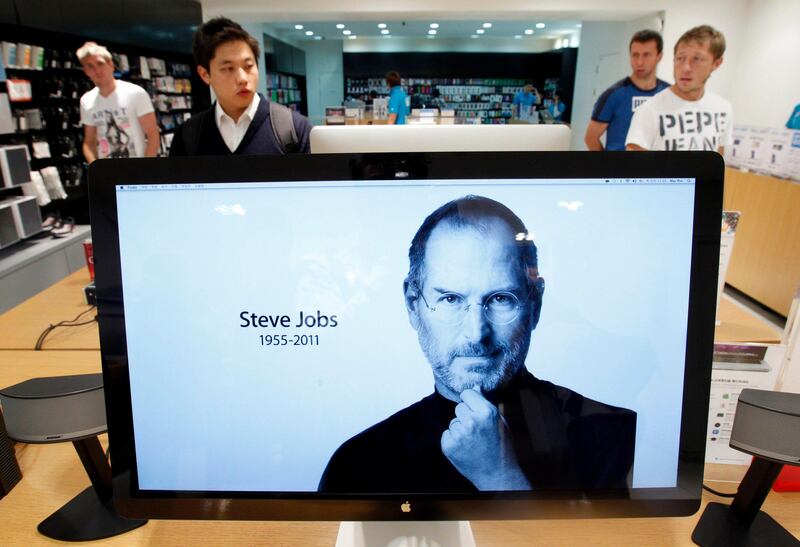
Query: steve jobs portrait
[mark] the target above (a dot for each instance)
(474, 296)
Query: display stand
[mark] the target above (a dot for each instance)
(405, 534)
(90, 515)
(743, 524)
(69, 408)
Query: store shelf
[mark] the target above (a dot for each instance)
(287, 89)
(34, 264)
(162, 92)
(171, 78)
(486, 97)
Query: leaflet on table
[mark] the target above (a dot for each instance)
(736, 367)
(734, 154)
(772, 151)
(730, 221)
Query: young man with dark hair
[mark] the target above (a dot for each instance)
(615, 107)
(687, 116)
(242, 122)
(398, 108)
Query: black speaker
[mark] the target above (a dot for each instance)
(69, 408)
(10, 473)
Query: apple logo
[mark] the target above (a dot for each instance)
(405, 507)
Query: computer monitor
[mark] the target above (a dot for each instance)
(407, 336)
(350, 139)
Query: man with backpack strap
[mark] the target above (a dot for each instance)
(242, 122)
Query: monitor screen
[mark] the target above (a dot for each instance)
(437, 333)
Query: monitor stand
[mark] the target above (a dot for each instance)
(405, 534)
(90, 515)
(742, 523)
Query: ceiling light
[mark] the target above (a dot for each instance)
(317, 37)
(430, 36)
(539, 25)
(340, 26)
(298, 27)
(528, 31)
(432, 32)
(352, 37)
(480, 31)
(385, 31)
(309, 33)
(474, 36)
(518, 36)
(347, 32)
(381, 25)
(487, 25)
(434, 25)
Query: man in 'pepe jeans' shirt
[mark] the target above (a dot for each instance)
(687, 116)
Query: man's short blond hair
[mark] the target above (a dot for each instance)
(702, 34)
(93, 48)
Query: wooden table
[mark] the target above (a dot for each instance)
(740, 325)
(53, 475)
(21, 326)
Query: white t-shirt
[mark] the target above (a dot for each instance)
(116, 117)
(667, 122)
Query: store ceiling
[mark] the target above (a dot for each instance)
(520, 29)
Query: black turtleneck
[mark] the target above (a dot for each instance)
(562, 441)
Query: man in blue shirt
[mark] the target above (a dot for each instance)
(794, 119)
(555, 107)
(524, 100)
(614, 109)
(398, 106)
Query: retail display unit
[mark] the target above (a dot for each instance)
(285, 89)
(40, 108)
(489, 99)
(286, 74)
(480, 87)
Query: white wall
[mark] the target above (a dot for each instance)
(727, 16)
(324, 77)
(766, 84)
(602, 60)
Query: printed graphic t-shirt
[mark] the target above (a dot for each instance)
(667, 122)
(616, 107)
(116, 117)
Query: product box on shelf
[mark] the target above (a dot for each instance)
(770, 151)
(14, 165)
